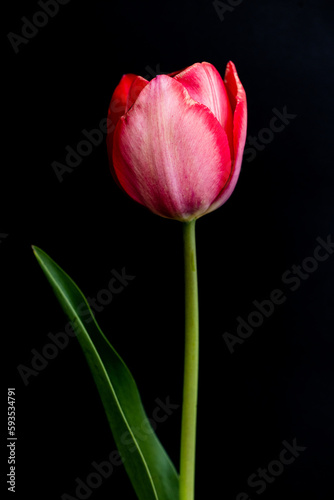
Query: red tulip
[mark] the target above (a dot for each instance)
(177, 142)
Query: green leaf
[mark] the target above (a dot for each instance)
(151, 472)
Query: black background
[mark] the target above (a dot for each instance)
(278, 384)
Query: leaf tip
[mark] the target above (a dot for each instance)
(35, 250)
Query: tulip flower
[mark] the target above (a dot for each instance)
(177, 142)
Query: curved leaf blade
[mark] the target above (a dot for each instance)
(149, 468)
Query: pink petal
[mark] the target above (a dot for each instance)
(136, 87)
(237, 97)
(117, 108)
(206, 86)
(170, 153)
(119, 98)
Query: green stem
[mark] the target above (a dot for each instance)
(190, 382)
